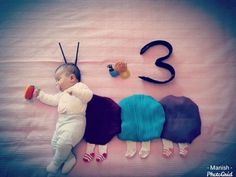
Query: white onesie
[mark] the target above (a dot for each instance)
(72, 104)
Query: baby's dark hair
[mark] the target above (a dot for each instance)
(70, 68)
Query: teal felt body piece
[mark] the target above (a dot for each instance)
(142, 118)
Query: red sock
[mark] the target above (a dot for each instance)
(183, 152)
(101, 157)
(167, 153)
(88, 157)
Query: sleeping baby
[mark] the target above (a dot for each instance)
(72, 103)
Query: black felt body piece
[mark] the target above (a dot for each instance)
(103, 120)
(159, 61)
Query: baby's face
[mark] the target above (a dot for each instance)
(64, 80)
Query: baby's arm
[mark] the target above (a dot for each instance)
(81, 91)
(48, 99)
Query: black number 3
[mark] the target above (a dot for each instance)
(159, 61)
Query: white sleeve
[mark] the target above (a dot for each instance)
(48, 99)
(81, 91)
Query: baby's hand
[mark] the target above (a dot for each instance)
(36, 92)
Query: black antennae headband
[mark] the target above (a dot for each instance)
(76, 55)
(62, 53)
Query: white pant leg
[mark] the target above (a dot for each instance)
(71, 131)
(62, 153)
(54, 141)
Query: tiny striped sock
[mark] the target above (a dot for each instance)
(101, 157)
(183, 149)
(167, 153)
(88, 157)
(183, 152)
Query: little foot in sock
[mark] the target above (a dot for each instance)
(183, 149)
(168, 148)
(88, 157)
(52, 168)
(145, 150)
(168, 153)
(102, 150)
(130, 153)
(101, 157)
(69, 164)
(143, 153)
(131, 149)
